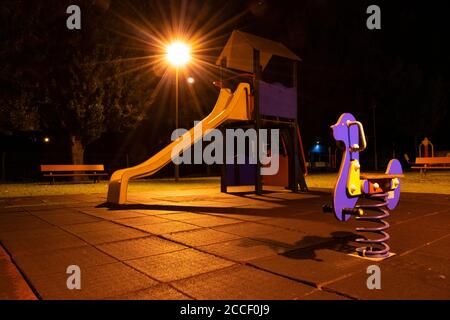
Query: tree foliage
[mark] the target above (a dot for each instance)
(74, 82)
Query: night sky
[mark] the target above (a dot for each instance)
(401, 72)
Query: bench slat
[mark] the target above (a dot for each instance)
(432, 167)
(74, 174)
(376, 176)
(432, 160)
(71, 167)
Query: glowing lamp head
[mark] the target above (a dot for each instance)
(178, 53)
(190, 80)
(46, 139)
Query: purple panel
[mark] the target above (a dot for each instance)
(231, 177)
(277, 100)
(348, 136)
(394, 167)
(246, 174)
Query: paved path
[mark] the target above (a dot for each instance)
(202, 244)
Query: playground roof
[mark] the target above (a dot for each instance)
(238, 51)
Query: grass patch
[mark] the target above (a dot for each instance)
(45, 189)
(433, 182)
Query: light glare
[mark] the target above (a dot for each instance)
(178, 53)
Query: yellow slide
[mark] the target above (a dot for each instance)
(229, 106)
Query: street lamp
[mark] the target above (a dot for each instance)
(178, 54)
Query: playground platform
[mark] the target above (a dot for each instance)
(202, 244)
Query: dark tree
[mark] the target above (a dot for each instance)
(71, 81)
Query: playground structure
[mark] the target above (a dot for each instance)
(427, 160)
(273, 103)
(380, 192)
(427, 147)
(255, 103)
(322, 158)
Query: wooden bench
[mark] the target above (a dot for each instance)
(431, 163)
(73, 170)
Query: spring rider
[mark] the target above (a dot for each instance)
(379, 192)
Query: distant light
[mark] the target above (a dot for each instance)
(178, 53)
(317, 142)
(317, 148)
(46, 139)
(190, 80)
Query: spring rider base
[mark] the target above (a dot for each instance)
(379, 192)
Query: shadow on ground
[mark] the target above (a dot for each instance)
(338, 241)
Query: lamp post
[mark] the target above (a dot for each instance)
(177, 120)
(375, 155)
(178, 54)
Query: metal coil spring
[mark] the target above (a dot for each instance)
(374, 248)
